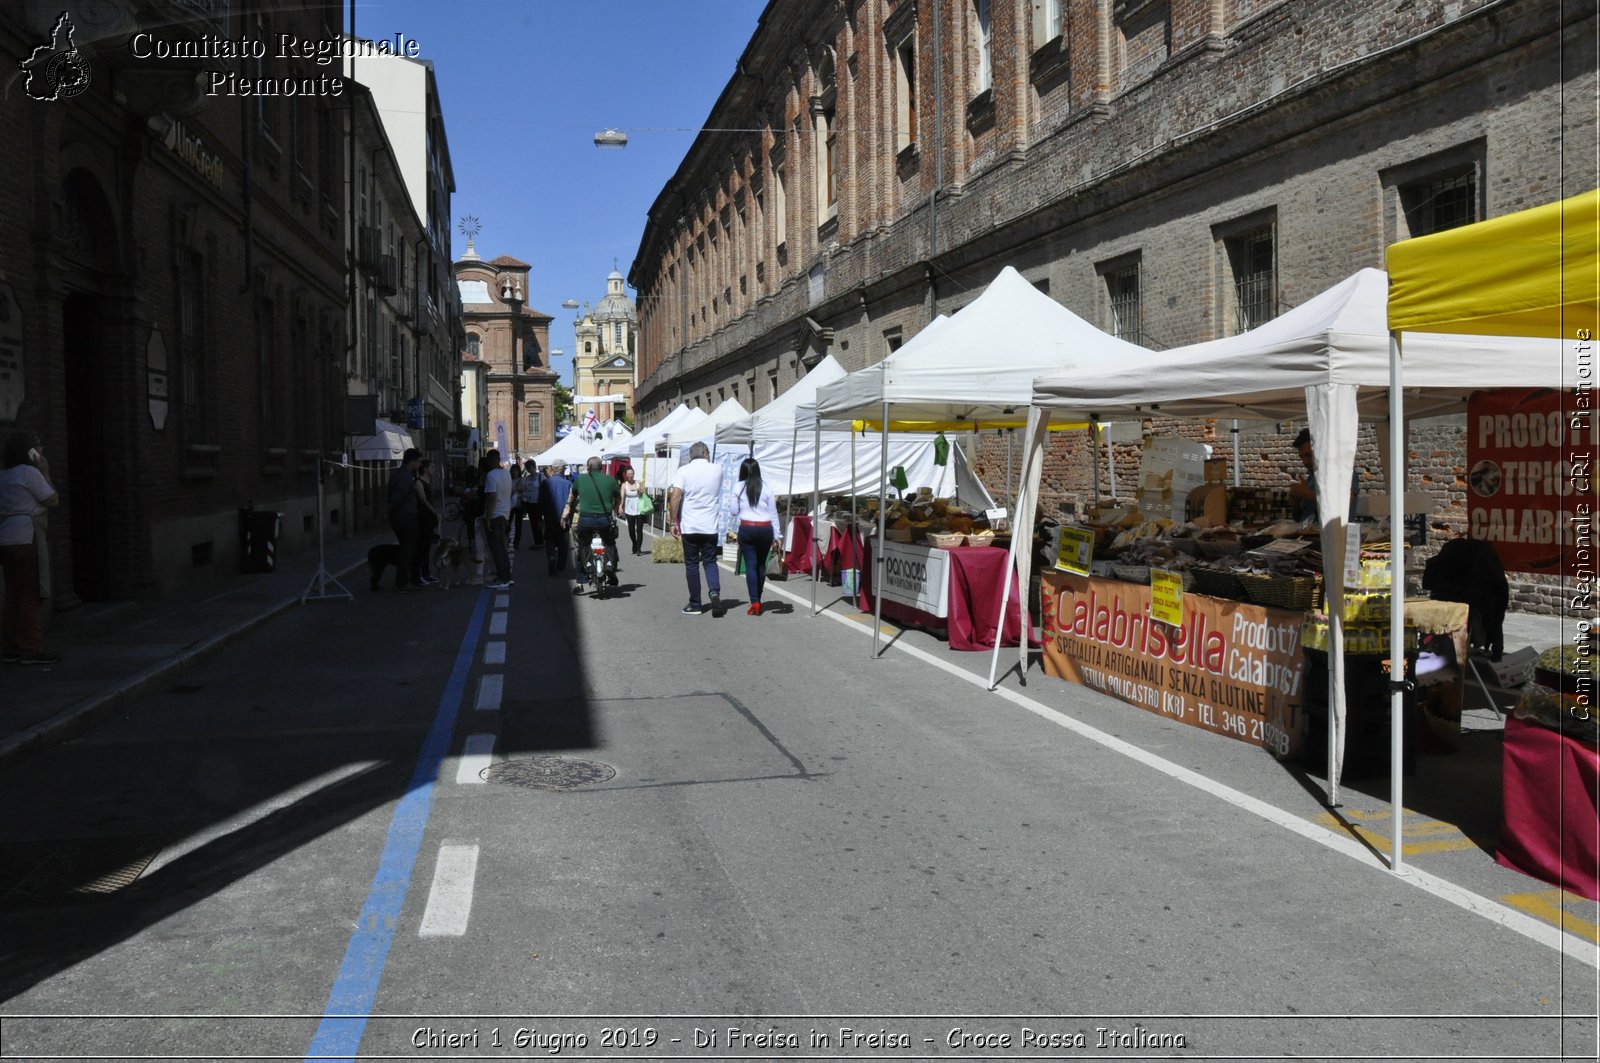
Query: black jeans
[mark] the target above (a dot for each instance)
(755, 543)
(421, 562)
(636, 530)
(701, 550)
(557, 544)
(407, 532)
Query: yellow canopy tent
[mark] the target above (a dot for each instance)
(1535, 273)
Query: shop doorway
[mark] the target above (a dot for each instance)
(87, 487)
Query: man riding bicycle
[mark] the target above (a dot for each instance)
(596, 501)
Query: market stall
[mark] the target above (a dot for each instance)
(1325, 360)
(1533, 274)
(973, 371)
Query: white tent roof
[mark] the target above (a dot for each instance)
(647, 437)
(979, 367)
(389, 442)
(776, 420)
(572, 450)
(1338, 337)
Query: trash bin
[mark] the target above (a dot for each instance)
(258, 540)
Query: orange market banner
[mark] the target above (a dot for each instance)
(1530, 475)
(1232, 668)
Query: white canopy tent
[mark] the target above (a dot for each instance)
(776, 420)
(704, 428)
(975, 370)
(1327, 359)
(388, 442)
(573, 449)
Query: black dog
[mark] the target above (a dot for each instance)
(381, 557)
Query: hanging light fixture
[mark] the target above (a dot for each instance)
(611, 138)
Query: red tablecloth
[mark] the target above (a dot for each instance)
(975, 592)
(845, 550)
(1550, 826)
(797, 558)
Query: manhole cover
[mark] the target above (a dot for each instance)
(550, 773)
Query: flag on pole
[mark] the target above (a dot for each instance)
(590, 421)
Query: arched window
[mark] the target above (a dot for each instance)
(474, 345)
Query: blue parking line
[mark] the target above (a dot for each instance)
(344, 1020)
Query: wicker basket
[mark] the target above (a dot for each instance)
(945, 540)
(897, 535)
(980, 538)
(1218, 584)
(1132, 573)
(1283, 592)
(1214, 548)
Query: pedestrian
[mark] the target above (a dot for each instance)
(25, 494)
(403, 520)
(427, 526)
(592, 510)
(553, 495)
(692, 503)
(497, 507)
(528, 506)
(630, 509)
(759, 530)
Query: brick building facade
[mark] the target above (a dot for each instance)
(1170, 170)
(512, 341)
(176, 263)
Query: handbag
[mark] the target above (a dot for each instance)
(776, 569)
(647, 504)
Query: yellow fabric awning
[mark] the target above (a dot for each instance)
(1533, 273)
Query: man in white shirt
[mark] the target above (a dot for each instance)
(692, 504)
(497, 511)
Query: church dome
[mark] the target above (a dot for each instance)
(615, 308)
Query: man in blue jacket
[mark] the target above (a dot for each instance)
(553, 494)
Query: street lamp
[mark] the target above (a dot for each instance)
(611, 138)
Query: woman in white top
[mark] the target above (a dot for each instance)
(759, 530)
(630, 509)
(25, 494)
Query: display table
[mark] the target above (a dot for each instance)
(957, 590)
(846, 550)
(1549, 825)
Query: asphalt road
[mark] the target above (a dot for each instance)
(355, 849)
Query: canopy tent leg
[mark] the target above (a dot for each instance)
(883, 526)
(816, 491)
(1094, 448)
(1111, 460)
(1009, 481)
(1236, 479)
(1397, 603)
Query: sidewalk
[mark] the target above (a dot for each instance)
(113, 650)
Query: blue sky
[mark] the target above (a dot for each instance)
(525, 85)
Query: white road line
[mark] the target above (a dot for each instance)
(1527, 926)
(501, 601)
(450, 897)
(494, 652)
(497, 623)
(477, 753)
(490, 689)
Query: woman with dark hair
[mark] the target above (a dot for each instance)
(25, 494)
(759, 530)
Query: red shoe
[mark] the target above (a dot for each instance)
(754, 610)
